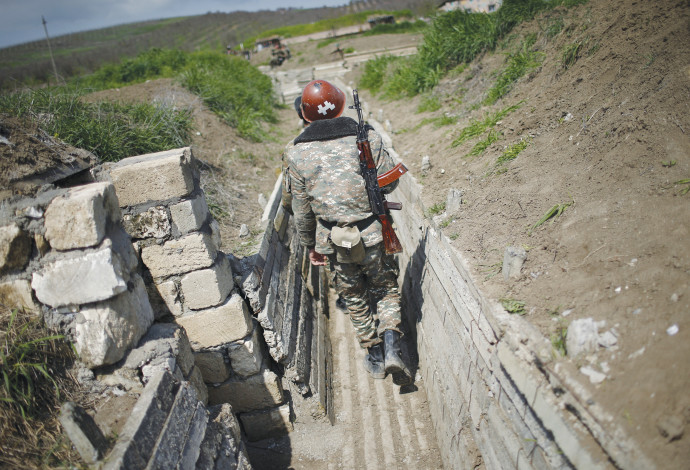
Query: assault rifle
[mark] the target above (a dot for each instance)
(374, 183)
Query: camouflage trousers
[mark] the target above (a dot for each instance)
(370, 289)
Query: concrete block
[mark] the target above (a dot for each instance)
(165, 299)
(153, 223)
(214, 369)
(254, 393)
(17, 294)
(245, 356)
(195, 251)
(138, 437)
(168, 450)
(267, 423)
(15, 248)
(91, 277)
(215, 232)
(218, 326)
(163, 341)
(83, 432)
(79, 218)
(189, 215)
(154, 177)
(197, 381)
(105, 331)
(207, 287)
(195, 436)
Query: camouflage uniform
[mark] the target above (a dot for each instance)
(324, 179)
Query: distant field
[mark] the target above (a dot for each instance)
(82, 53)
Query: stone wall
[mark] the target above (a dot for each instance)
(289, 296)
(191, 282)
(127, 266)
(491, 378)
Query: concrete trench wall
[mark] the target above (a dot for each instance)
(494, 387)
(127, 266)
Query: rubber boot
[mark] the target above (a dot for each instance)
(373, 362)
(394, 362)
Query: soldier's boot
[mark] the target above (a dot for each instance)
(393, 360)
(373, 362)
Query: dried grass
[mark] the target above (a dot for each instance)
(30, 433)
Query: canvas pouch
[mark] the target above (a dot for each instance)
(348, 243)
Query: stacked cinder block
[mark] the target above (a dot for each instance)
(68, 247)
(289, 297)
(191, 282)
(170, 428)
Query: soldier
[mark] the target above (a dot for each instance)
(335, 222)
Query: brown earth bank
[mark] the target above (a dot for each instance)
(608, 137)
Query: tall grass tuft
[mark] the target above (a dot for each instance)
(235, 90)
(111, 131)
(517, 65)
(33, 364)
(458, 37)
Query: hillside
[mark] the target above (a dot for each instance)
(608, 137)
(84, 52)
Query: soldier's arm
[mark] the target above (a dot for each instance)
(305, 220)
(384, 162)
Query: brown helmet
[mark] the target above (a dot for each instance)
(322, 100)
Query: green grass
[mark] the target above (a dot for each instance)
(325, 25)
(25, 371)
(111, 131)
(513, 306)
(437, 208)
(483, 144)
(552, 213)
(404, 27)
(512, 152)
(34, 381)
(570, 54)
(429, 103)
(477, 127)
(233, 89)
(558, 341)
(517, 65)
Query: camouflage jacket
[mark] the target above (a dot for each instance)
(326, 184)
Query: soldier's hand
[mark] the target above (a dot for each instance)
(317, 259)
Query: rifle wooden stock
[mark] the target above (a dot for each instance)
(391, 243)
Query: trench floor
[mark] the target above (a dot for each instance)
(377, 425)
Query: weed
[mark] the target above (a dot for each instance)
(687, 188)
(445, 223)
(558, 341)
(554, 212)
(592, 50)
(437, 208)
(477, 127)
(454, 236)
(553, 27)
(651, 57)
(429, 103)
(669, 163)
(514, 306)
(482, 145)
(570, 54)
(512, 152)
(491, 270)
(518, 64)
